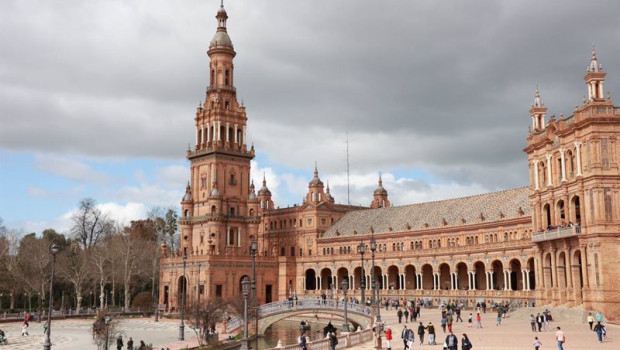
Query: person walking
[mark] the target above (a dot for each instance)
(449, 322)
(404, 335)
(452, 341)
(546, 321)
(466, 343)
(431, 333)
(388, 338)
(599, 317)
(533, 322)
(458, 314)
(478, 320)
(406, 314)
(399, 313)
(590, 320)
(561, 338)
(303, 341)
(333, 340)
(539, 321)
(130, 344)
(444, 322)
(599, 331)
(25, 328)
(119, 342)
(421, 329)
(470, 321)
(537, 343)
(410, 339)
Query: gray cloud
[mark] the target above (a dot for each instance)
(441, 86)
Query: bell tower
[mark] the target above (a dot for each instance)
(219, 188)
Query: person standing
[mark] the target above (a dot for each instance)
(449, 322)
(333, 340)
(458, 314)
(406, 314)
(444, 321)
(404, 335)
(545, 317)
(599, 331)
(533, 322)
(452, 341)
(537, 343)
(388, 338)
(599, 317)
(466, 343)
(410, 339)
(561, 338)
(470, 321)
(590, 320)
(431, 333)
(25, 328)
(130, 344)
(399, 313)
(303, 342)
(478, 321)
(421, 329)
(119, 342)
(539, 321)
(498, 321)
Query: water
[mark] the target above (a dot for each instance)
(288, 331)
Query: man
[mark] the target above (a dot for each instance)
(421, 329)
(539, 321)
(303, 341)
(130, 344)
(452, 341)
(399, 313)
(119, 342)
(561, 338)
(431, 334)
(404, 336)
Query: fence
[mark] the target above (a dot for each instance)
(344, 341)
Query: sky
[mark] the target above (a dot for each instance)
(97, 98)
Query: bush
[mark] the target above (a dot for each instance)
(143, 300)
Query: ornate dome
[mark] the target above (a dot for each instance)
(188, 194)
(380, 190)
(315, 180)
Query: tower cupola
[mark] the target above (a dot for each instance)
(380, 196)
(315, 193)
(538, 112)
(595, 77)
(264, 196)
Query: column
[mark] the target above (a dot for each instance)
(352, 282)
(208, 137)
(244, 129)
(236, 138)
(197, 139)
(584, 266)
(420, 281)
(218, 131)
(577, 146)
(549, 181)
(491, 282)
(554, 268)
(227, 132)
(563, 164)
(536, 185)
(239, 237)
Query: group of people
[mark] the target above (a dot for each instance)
(120, 344)
(540, 321)
(599, 328)
(408, 337)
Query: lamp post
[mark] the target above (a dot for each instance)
(47, 345)
(361, 249)
(345, 287)
(197, 296)
(373, 248)
(183, 288)
(245, 286)
(253, 251)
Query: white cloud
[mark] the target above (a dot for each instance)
(35, 191)
(69, 168)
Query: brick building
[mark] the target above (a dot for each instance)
(552, 242)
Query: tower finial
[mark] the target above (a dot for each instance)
(222, 4)
(594, 65)
(537, 100)
(264, 180)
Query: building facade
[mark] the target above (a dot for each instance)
(552, 242)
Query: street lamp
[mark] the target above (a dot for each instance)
(197, 296)
(373, 248)
(183, 288)
(361, 249)
(345, 287)
(47, 345)
(253, 251)
(245, 286)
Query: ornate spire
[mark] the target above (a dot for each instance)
(264, 190)
(316, 181)
(594, 65)
(188, 193)
(537, 101)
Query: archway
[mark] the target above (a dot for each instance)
(326, 279)
(462, 276)
(379, 276)
(575, 210)
(393, 277)
(548, 271)
(577, 275)
(560, 213)
(427, 277)
(342, 273)
(359, 277)
(516, 276)
(498, 275)
(410, 278)
(310, 279)
(444, 277)
(561, 268)
(531, 274)
(547, 216)
(481, 279)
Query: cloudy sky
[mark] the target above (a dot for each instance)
(97, 98)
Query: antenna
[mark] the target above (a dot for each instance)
(348, 186)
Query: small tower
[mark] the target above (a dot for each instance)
(595, 77)
(264, 197)
(253, 202)
(380, 196)
(315, 193)
(538, 112)
(328, 195)
(187, 202)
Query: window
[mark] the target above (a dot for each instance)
(309, 222)
(292, 251)
(227, 105)
(301, 252)
(282, 251)
(309, 252)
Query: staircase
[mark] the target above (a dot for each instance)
(563, 314)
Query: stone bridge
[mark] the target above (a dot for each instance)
(273, 312)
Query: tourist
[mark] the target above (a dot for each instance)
(590, 320)
(399, 313)
(537, 343)
(25, 328)
(302, 341)
(484, 307)
(142, 345)
(533, 322)
(545, 316)
(452, 341)
(458, 314)
(478, 321)
(421, 329)
(449, 322)
(130, 344)
(443, 324)
(599, 317)
(410, 339)
(470, 320)
(539, 321)
(498, 321)
(406, 314)
(599, 329)
(119, 342)
(431, 333)
(561, 338)
(404, 336)
(466, 343)
(388, 337)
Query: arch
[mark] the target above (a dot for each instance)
(546, 211)
(182, 288)
(577, 271)
(516, 277)
(359, 277)
(562, 270)
(326, 279)
(575, 210)
(532, 274)
(480, 275)
(560, 212)
(498, 274)
(378, 276)
(444, 277)
(342, 273)
(213, 209)
(410, 278)
(310, 279)
(393, 277)
(570, 164)
(548, 271)
(186, 213)
(462, 276)
(427, 277)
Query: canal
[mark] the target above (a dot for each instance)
(288, 331)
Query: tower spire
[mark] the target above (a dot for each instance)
(595, 77)
(538, 111)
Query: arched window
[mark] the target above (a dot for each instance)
(213, 209)
(251, 212)
(186, 214)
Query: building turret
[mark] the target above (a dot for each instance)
(187, 202)
(538, 112)
(315, 193)
(328, 195)
(264, 196)
(253, 202)
(595, 77)
(380, 196)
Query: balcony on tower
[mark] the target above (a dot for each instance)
(557, 233)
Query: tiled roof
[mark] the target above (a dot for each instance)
(488, 207)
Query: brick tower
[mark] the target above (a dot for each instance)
(574, 196)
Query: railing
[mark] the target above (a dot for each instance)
(221, 87)
(311, 304)
(233, 324)
(344, 341)
(13, 316)
(556, 234)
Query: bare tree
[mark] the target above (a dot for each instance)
(132, 256)
(90, 225)
(209, 314)
(100, 262)
(73, 266)
(33, 260)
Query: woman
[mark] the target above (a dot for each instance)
(466, 343)
(533, 322)
(388, 338)
(590, 320)
(421, 329)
